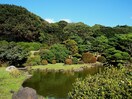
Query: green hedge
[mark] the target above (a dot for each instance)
(111, 84)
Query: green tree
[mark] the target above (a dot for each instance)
(115, 57)
(60, 52)
(72, 46)
(13, 53)
(100, 44)
(47, 55)
(80, 29)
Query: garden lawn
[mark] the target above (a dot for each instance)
(8, 83)
(60, 66)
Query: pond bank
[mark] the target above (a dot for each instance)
(9, 83)
(55, 84)
(63, 67)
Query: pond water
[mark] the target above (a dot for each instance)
(56, 85)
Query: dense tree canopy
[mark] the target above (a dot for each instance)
(61, 39)
(18, 24)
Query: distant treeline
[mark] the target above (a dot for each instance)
(19, 25)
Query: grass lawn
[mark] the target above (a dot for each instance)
(60, 66)
(8, 82)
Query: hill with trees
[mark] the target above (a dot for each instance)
(22, 31)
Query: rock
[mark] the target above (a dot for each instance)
(11, 68)
(78, 70)
(25, 93)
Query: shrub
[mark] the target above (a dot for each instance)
(53, 61)
(31, 61)
(101, 59)
(44, 62)
(15, 72)
(47, 55)
(13, 53)
(86, 57)
(131, 59)
(68, 61)
(93, 59)
(4, 64)
(75, 60)
(60, 52)
(111, 84)
(30, 46)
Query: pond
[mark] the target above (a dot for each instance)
(56, 85)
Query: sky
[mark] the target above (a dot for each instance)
(90, 12)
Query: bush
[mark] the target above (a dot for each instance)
(93, 59)
(31, 61)
(111, 84)
(68, 61)
(101, 59)
(30, 46)
(44, 62)
(13, 53)
(60, 52)
(4, 64)
(87, 57)
(53, 61)
(47, 55)
(75, 60)
(15, 72)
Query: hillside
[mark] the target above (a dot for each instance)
(30, 32)
(18, 24)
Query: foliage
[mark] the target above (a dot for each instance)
(71, 46)
(77, 55)
(124, 42)
(30, 46)
(4, 64)
(33, 60)
(112, 83)
(15, 73)
(62, 24)
(44, 62)
(9, 82)
(101, 59)
(32, 33)
(60, 52)
(68, 61)
(47, 55)
(88, 57)
(75, 60)
(114, 56)
(76, 38)
(100, 44)
(13, 53)
(93, 59)
(18, 24)
(80, 29)
(53, 61)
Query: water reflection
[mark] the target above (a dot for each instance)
(56, 85)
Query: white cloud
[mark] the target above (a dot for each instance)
(50, 20)
(67, 20)
(53, 21)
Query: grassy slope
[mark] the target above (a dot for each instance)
(60, 66)
(8, 82)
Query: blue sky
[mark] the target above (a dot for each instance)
(105, 12)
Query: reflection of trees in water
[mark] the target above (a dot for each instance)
(56, 84)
